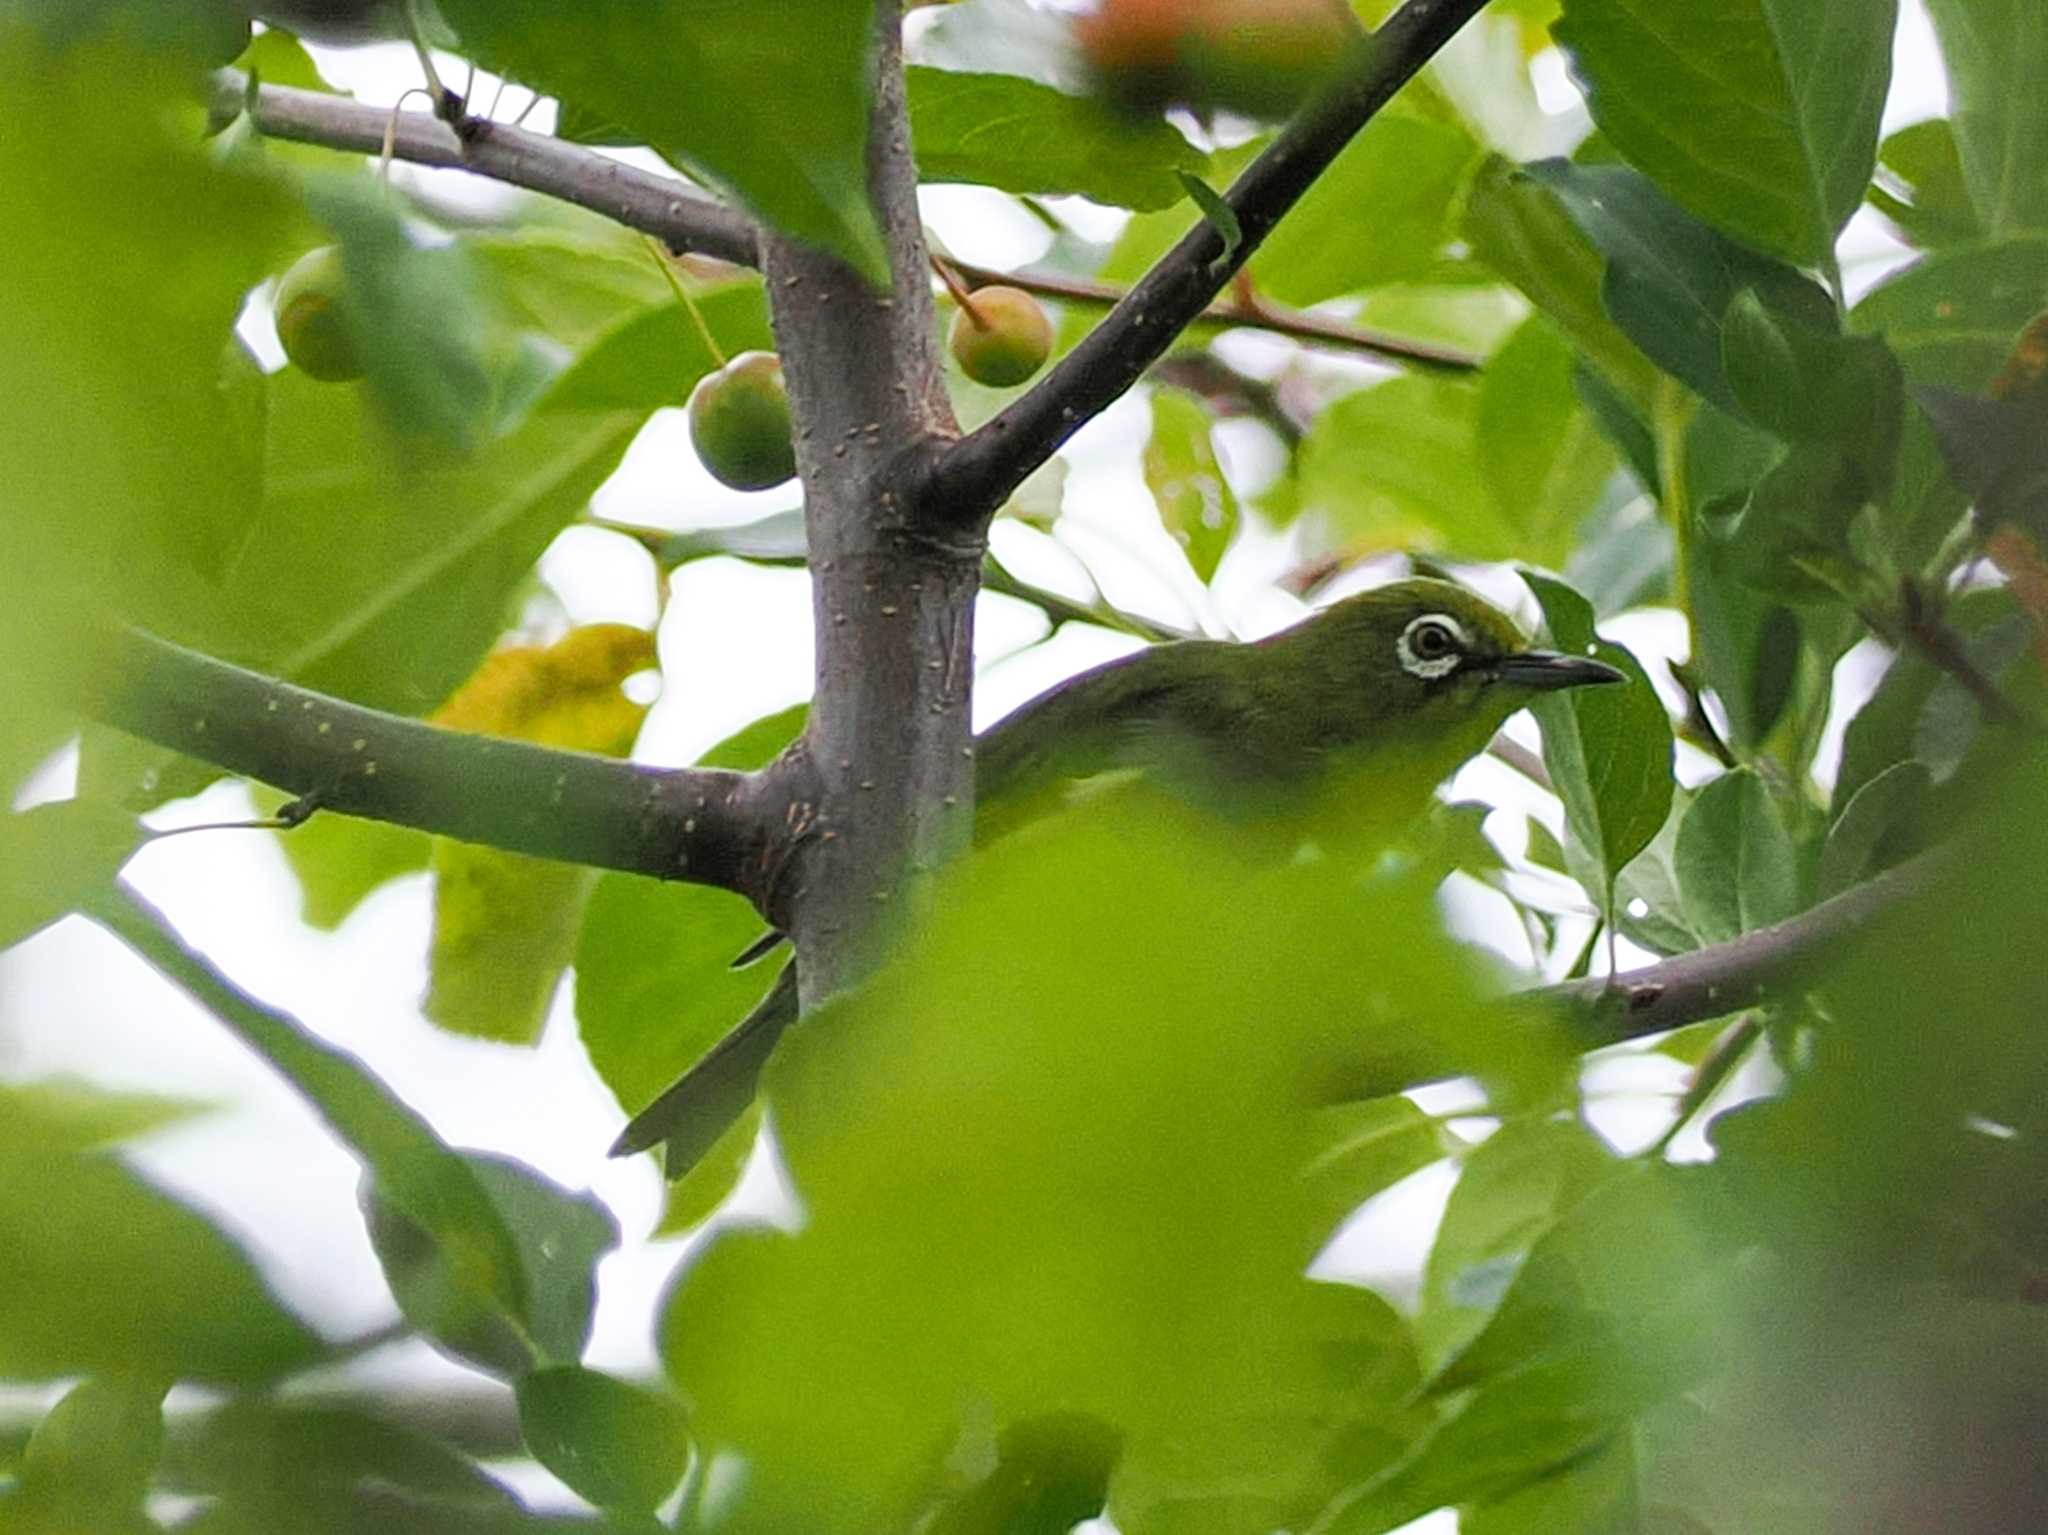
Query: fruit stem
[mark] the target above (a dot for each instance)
(675, 285)
(959, 290)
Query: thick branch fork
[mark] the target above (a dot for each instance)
(703, 825)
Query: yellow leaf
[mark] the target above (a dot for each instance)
(505, 925)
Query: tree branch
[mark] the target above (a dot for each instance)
(984, 467)
(1728, 977)
(663, 206)
(701, 825)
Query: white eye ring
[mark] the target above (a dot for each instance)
(1432, 646)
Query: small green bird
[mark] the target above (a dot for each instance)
(1339, 728)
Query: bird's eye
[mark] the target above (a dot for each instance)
(1431, 646)
(1431, 640)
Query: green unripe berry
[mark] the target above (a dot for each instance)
(739, 423)
(1003, 339)
(313, 320)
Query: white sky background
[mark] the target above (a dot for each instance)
(736, 644)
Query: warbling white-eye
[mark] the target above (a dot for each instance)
(1346, 723)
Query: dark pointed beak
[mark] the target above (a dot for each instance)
(1547, 670)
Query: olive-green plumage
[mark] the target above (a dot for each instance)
(1337, 729)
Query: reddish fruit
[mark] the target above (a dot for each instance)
(1004, 339)
(739, 422)
(313, 319)
(1261, 58)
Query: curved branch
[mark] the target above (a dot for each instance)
(1728, 977)
(702, 825)
(662, 206)
(985, 466)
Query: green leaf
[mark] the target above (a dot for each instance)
(89, 1463)
(694, 1197)
(998, 130)
(1920, 186)
(1670, 277)
(1050, 1474)
(340, 860)
(559, 1239)
(1106, 1119)
(1517, 226)
(106, 1274)
(266, 1458)
(776, 107)
(614, 1444)
(1542, 455)
(1370, 1145)
(1609, 750)
(655, 987)
(122, 475)
(1218, 215)
(1760, 116)
(76, 1115)
(1380, 214)
(1952, 318)
(1512, 1188)
(1393, 466)
(199, 34)
(1196, 503)
(411, 1170)
(1736, 864)
(1878, 826)
(55, 857)
(416, 316)
(1996, 51)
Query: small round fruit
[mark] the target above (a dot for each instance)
(1260, 58)
(313, 320)
(1005, 338)
(739, 422)
(1264, 58)
(1134, 48)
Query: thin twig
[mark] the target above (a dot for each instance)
(1299, 324)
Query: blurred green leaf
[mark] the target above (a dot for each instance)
(1775, 141)
(1994, 51)
(1540, 452)
(1195, 501)
(1920, 186)
(1736, 864)
(1670, 278)
(559, 1238)
(75, 1115)
(193, 36)
(775, 108)
(694, 1197)
(416, 316)
(106, 1274)
(54, 857)
(1050, 1474)
(1123, 1120)
(89, 1462)
(122, 473)
(1608, 749)
(999, 130)
(280, 1463)
(614, 1444)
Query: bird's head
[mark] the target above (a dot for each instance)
(1425, 662)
